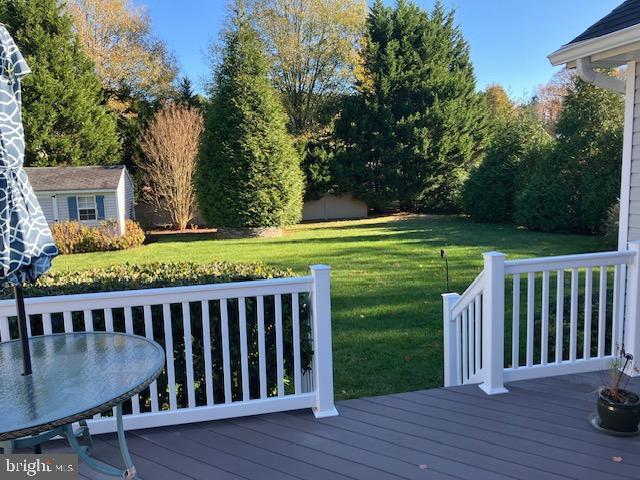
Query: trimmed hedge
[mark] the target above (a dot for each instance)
(76, 237)
(129, 277)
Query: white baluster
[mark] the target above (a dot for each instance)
(5, 335)
(108, 320)
(47, 328)
(279, 348)
(573, 326)
(472, 342)
(188, 354)
(168, 345)
(128, 326)
(262, 364)
(465, 346)
(208, 363)
(544, 329)
(588, 299)
(88, 320)
(515, 323)
(602, 310)
(478, 349)
(68, 322)
(148, 331)
(244, 351)
(531, 299)
(559, 315)
(297, 370)
(226, 356)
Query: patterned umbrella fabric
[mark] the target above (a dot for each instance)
(26, 244)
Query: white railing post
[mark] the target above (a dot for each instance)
(451, 340)
(493, 324)
(632, 310)
(322, 350)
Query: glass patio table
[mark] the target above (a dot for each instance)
(75, 376)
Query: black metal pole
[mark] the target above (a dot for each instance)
(22, 327)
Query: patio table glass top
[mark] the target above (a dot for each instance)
(74, 377)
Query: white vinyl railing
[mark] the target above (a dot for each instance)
(538, 317)
(232, 349)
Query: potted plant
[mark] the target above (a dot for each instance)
(618, 408)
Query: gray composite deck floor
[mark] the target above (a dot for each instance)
(537, 431)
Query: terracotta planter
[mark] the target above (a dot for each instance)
(621, 417)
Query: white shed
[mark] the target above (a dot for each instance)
(85, 194)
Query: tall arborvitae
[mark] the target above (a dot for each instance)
(249, 172)
(416, 125)
(65, 119)
(573, 187)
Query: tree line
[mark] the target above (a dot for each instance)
(309, 97)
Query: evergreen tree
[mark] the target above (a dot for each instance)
(185, 93)
(573, 187)
(519, 138)
(65, 119)
(249, 171)
(416, 125)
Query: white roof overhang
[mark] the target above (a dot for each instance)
(607, 51)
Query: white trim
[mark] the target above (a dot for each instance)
(56, 212)
(202, 414)
(627, 149)
(565, 262)
(586, 48)
(155, 296)
(553, 369)
(78, 191)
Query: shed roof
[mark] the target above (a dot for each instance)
(52, 179)
(625, 15)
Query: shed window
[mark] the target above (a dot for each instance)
(87, 208)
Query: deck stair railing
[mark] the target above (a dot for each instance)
(538, 317)
(232, 349)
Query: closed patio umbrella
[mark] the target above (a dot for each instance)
(26, 244)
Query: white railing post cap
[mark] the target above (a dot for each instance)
(450, 296)
(493, 254)
(320, 268)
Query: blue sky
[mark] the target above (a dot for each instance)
(509, 39)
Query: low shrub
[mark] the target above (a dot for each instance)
(76, 237)
(131, 277)
(149, 275)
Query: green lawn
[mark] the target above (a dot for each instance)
(386, 283)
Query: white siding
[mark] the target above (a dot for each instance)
(46, 203)
(634, 191)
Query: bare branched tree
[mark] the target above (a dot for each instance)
(314, 46)
(170, 144)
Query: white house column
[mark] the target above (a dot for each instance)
(627, 158)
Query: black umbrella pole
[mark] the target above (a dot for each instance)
(22, 327)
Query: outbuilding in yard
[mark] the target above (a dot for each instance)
(84, 194)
